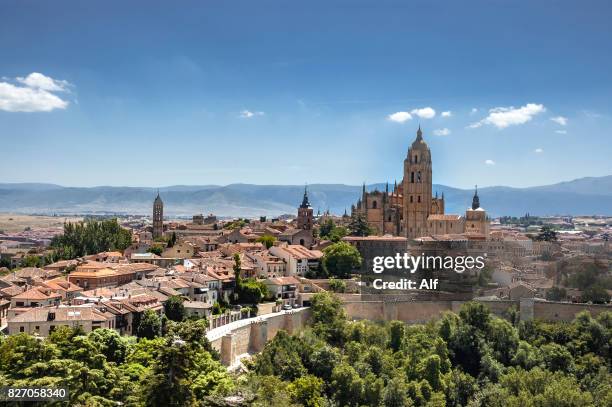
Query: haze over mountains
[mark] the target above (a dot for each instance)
(584, 196)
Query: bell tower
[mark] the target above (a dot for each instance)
(158, 217)
(304, 219)
(417, 188)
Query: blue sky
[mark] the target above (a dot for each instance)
(278, 92)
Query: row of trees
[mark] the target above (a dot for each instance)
(90, 237)
(104, 369)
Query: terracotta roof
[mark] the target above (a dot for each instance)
(300, 252)
(94, 273)
(37, 293)
(61, 283)
(282, 280)
(11, 291)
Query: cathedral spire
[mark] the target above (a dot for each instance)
(475, 200)
(419, 133)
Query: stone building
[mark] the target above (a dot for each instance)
(158, 217)
(410, 210)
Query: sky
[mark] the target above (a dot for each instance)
(277, 92)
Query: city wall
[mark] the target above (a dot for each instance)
(413, 312)
(252, 336)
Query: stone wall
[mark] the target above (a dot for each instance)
(422, 311)
(253, 334)
(250, 336)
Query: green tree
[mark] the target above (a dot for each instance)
(546, 234)
(174, 308)
(172, 240)
(556, 294)
(267, 240)
(156, 249)
(396, 394)
(149, 325)
(340, 259)
(338, 233)
(596, 294)
(90, 237)
(337, 286)
(358, 225)
(307, 391)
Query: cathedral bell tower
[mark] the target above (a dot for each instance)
(417, 188)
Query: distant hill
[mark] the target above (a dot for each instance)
(584, 196)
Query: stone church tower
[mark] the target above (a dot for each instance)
(158, 217)
(305, 219)
(417, 185)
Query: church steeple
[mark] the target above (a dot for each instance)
(419, 134)
(305, 217)
(305, 202)
(475, 200)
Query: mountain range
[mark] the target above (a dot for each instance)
(584, 196)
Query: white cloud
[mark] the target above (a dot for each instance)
(399, 117)
(561, 131)
(442, 132)
(247, 114)
(560, 120)
(448, 113)
(474, 111)
(37, 80)
(35, 96)
(489, 162)
(424, 113)
(538, 150)
(502, 117)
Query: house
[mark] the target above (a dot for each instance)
(36, 297)
(267, 265)
(65, 288)
(4, 307)
(180, 250)
(519, 289)
(198, 309)
(298, 259)
(302, 237)
(92, 276)
(61, 265)
(44, 320)
(107, 257)
(283, 288)
(244, 235)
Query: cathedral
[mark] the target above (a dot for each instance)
(410, 210)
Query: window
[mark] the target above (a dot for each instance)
(37, 328)
(374, 205)
(412, 177)
(416, 159)
(410, 198)
(419, 198)
(419, 177)
(21, 329)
